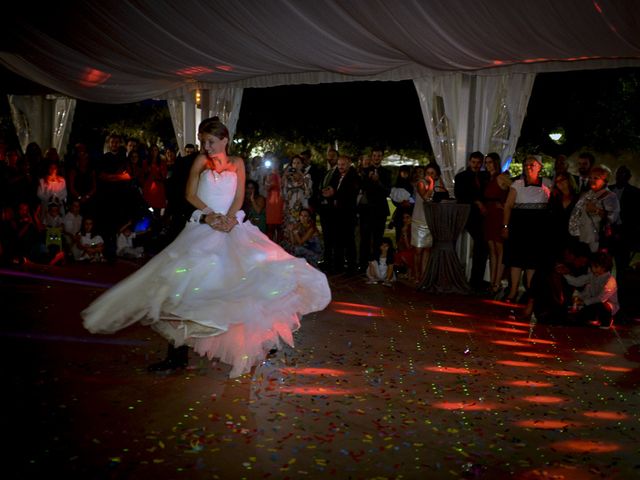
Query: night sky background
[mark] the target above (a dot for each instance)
(599, 109)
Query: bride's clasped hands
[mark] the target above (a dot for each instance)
(221, 222)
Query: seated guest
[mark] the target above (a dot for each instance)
(53, 223)
(302, 239)
(380, 269)
(71, 226)
(550, 294)
(599, 297)
(90, 244)
(255, 205)
(125, 247)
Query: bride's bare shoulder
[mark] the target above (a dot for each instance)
(237, 162)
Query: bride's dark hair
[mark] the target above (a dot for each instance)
(213, 126)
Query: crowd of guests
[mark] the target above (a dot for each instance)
(533, 228)
(128, 202)
(84, 208)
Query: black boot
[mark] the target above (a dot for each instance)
(177, 357)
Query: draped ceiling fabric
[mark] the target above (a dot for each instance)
(116, 51)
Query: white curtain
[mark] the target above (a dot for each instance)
(62, 119)
(224, 102)
(465, 113)
(499, 106)
(444, 101)
(176, 110)
(45, 120)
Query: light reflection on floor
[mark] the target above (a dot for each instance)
(383, 384)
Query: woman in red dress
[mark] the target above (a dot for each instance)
(495, 194)
(275, 204)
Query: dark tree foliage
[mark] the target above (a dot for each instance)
(362, 113)
(598, 109)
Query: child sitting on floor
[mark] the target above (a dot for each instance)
(90, 245)
(599, 297)
(125, 247)
(381, 268)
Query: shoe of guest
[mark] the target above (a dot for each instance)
(372, 282)
(387, 284)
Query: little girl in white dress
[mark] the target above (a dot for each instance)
(381, 269)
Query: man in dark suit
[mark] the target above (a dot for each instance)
(469, 188)
(586, 160)
(178, 208)
(326, 211)
(374, 208)
(345, 187)
(179, 211)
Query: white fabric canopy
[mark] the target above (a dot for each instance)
(112, 51)
(117, 52)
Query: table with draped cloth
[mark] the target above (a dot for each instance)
(445, 274)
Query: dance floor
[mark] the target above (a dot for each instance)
(385, 383)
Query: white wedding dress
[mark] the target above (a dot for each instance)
(230, 296)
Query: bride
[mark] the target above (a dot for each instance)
(221, 287)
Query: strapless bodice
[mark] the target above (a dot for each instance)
(217, 190)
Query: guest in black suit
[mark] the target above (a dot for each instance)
(326, 209)
(373, 208)
(345, 187)
(469, 188)
(586, 161)
(178, 208)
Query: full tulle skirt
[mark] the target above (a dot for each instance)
(230, 296)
